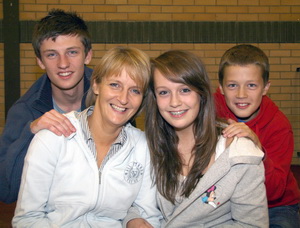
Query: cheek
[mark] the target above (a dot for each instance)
(160, 103)
(137, 101)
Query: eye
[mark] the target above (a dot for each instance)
(114, 85)
(232, 86)
(51, 55)
(72, 52)
(162, 92)
(136, 91)
(252, 86)
(186, 90)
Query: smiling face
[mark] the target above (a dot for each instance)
(243, 87)
(63, 60)
(178, 104)
(118, 99)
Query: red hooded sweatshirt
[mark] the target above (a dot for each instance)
(276, 137)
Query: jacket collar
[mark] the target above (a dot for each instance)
(44, 103)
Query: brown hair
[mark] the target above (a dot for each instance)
(57, 23)
(181, 67)
(244, 54)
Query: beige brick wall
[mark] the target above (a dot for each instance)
(284, 58)
(168, 10)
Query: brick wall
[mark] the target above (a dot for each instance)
(284, 57)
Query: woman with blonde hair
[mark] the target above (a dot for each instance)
(93, 177)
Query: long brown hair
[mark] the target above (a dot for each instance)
(181, 67)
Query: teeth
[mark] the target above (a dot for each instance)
(118, 108)
(65, 74)
(178, 112)
(242, 105)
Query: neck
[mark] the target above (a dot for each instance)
(102, 133)
(68, 100)
(185, 149)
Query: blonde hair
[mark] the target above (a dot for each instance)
(135, 61)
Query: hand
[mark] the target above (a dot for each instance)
(240, 129)
(55, 122)
(138, 223)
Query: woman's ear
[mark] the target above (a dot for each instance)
(95, 88)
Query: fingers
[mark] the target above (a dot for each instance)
(138, 223)
(237, 129)
(55, 122)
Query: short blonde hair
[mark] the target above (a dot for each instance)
(135, 61)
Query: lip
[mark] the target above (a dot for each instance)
(178, 113)
(65, 75)
(242, 105)
(118, 108)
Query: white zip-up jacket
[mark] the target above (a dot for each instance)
(60, 183)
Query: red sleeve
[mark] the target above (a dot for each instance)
(278, 143)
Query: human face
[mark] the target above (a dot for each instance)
(119, 98)
(63, 60)
(243, 88)
(178, 104)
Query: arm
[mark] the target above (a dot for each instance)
(38, 172)
(277, 141)
(19, 130)
(240, 129)
(145, 206)
(14, 143)
(279, 148)
(53, 121)
(249, 202)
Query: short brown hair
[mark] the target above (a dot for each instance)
(244, 54)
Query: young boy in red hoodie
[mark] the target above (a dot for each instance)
(241, 99)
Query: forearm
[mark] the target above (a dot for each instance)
(277, 165)
(249, 201)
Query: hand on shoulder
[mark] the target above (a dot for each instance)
(240, 129)
(53, 121)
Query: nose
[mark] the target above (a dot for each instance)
(123, 97)
(63, 62)
(241, 92)
(175, 100)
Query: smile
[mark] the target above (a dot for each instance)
(65, 74)
(117, 108)
(242, 105)
(178, 113)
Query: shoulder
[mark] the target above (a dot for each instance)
(32, 93)
(88, 72)
(244, 150)
(272, 118)
(134, 134)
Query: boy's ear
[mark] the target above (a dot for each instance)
(266, 88)
(41, 64)
(221, 89)
(88, 57)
